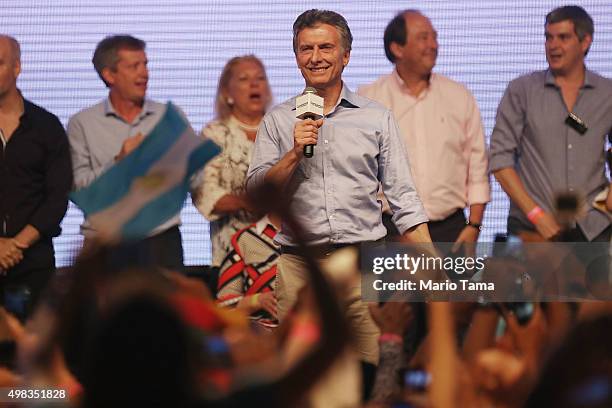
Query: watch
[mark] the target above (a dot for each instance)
(476, 225)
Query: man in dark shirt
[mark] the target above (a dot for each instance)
(35, 179)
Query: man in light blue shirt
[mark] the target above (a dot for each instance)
(108, 131)
(334, 193)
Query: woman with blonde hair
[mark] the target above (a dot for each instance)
(243, 95)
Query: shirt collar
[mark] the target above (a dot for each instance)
(590, 80)
(109, 109)
(347, 99)
(402, 85)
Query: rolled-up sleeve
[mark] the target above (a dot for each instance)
(266, 153)
(508, 130)
(396, 179)
(478, 188)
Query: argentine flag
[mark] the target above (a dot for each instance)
(148, 186)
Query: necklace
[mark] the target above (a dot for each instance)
(246, 126)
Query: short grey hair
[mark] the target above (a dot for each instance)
(583, 22)
(314, 17)
(106, 54)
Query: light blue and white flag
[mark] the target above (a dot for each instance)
(148, 186)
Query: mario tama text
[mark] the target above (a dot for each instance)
(432, 285)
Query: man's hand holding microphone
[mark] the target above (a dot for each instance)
(305, 136)
(309, 108)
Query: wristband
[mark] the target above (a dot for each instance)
(535, 214)
(306, 331)
(390, 338)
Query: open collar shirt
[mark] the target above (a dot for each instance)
(96, 135)
(443, 133)
(550, 157)
(334, 192)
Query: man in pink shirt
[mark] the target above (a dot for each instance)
(441, 126)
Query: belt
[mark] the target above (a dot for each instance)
(322, 250)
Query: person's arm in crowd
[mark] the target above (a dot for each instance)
(481, 333)
(508, 374)
(443, 362)
(392, 319)
(505, 143)
(560, 318)
(53, 372)
(394, 171)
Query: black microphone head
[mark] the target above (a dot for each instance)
(568, 207)
(567, 202)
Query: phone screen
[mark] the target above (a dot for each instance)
(417, 379)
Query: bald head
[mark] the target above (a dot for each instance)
(13, 47)
(10, 67)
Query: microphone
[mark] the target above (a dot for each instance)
(309, 105)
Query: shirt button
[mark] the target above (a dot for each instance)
(569, 146)
(326, 141)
